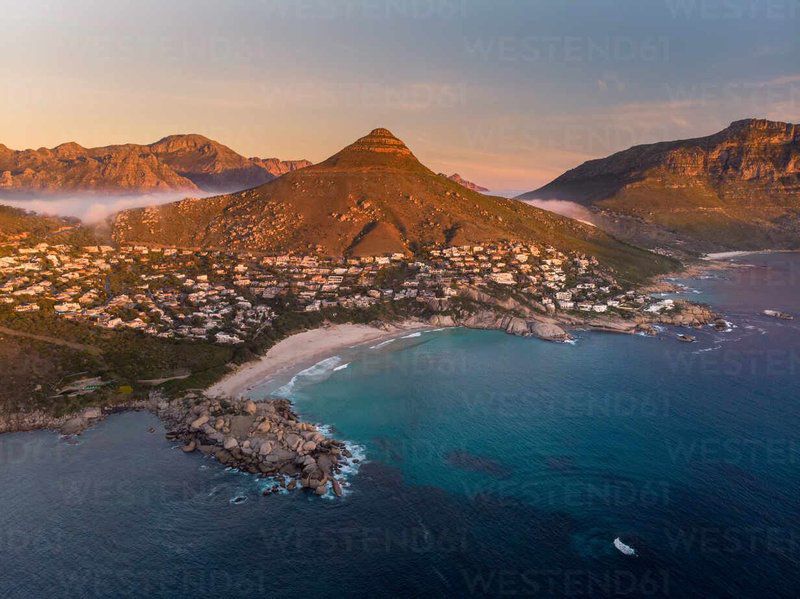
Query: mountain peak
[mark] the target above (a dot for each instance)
(181, 141)
(380, 140)
(762, 127)
(379, 148)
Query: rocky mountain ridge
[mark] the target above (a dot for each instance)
(736, 189)
(177, 163)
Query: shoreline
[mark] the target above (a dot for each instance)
(736, 254)
(306, 348)
(303, 349)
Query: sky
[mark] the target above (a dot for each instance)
(508, 93)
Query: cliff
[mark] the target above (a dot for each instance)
(738, 189)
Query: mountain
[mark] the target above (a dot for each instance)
(178, 163)
(738, 189)
(373, 197)
(463, 182)
(214, 167)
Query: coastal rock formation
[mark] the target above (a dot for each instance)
(735, 190)
(178, 163)
(264, 438)
(687, 314)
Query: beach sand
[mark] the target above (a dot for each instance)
(302, 349)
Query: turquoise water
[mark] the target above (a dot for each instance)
(494, 465)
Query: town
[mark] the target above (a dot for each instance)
(227, 299)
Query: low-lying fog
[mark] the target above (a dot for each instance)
(565, 208)
(95, 208)
(92, 208)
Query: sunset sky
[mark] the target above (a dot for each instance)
(509, 94)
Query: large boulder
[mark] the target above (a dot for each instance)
(548, 331)
(73, 426)
(92, 413)
(241, 425)
(337, 487)
(199, 422)
(517, 326)
(293, 441)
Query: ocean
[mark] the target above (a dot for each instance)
(490, 465)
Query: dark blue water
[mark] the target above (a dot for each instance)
(496, 465)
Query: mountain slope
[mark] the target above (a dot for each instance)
(736, 189)
(17, 224)
(184, 163)
(372, 197)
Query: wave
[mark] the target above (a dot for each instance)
(383, 344)
(342, 367)
(315, 373)
(411, 336)
(349, 470)
(707, 349)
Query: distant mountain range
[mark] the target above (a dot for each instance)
(735, 190)
(178, 163)
(468, 184)
(373, 197)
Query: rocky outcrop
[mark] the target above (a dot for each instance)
(73, 423)
(687, 314)
(264, 438)
(515, 318)
(513, 325)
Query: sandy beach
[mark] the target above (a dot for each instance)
(303, 349)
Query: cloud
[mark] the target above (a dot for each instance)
(565, 208)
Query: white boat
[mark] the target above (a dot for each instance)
(778, 314)
(623, 548)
